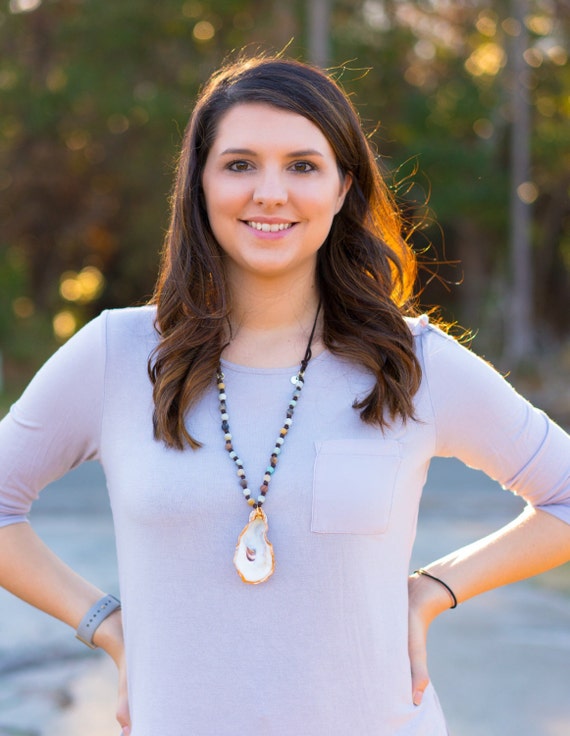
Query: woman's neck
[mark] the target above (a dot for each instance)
(271, 324)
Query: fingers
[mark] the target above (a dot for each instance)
(420, 680)
(123, 714)
(123, 718)
(417, 636)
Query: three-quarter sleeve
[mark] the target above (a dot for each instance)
(56, 423)
(483, 421)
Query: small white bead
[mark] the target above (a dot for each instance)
(222, 397)
(225, 417)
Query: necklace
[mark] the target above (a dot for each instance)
(254, 558)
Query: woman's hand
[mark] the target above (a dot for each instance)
(123, 715)
(427, 599)
(109, 636)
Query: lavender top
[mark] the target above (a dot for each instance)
(321, 648)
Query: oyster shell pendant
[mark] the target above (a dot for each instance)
(254, 559)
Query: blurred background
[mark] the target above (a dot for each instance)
(467, 103)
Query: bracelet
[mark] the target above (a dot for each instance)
(421, 571)
(94, 618)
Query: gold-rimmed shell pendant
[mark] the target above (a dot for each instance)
(254, 559)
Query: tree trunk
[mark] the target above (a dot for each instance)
(318, 17)
(519, 337)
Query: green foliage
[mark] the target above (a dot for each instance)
(95, 97)
(441, 85)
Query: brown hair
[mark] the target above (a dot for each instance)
(365, 268)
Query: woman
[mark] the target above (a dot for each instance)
(284, 264)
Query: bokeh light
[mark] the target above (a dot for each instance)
(82, 287)
(24, 6)
(64, 324)
(203, 31)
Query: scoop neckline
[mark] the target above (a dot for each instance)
(277, 371)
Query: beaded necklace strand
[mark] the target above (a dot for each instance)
(254, 558)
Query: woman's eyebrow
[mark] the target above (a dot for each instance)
(238, 152)
(250, 152)
(305, 152)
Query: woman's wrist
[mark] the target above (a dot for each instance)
(109, 636)
(428, 596)
(439, 581)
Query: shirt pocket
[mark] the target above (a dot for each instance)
(353, 485)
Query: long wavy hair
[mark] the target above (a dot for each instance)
(365, 269)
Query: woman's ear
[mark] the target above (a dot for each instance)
(345, 184)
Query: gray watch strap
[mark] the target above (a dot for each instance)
(94, 617)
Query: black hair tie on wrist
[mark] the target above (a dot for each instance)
(421, 571)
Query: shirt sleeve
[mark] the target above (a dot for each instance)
(483, 421)
(56, 423)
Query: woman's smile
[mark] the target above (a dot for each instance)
(269, 226)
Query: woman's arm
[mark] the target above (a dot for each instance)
(31, 571)
(534, 542)
(480, 419)
(54, 427)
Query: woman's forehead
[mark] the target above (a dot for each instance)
(253, 125)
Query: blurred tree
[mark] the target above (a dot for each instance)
(519, 341)
(441, 89)
(318, 32)
(94, 98)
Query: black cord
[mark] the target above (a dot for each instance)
(308, 352)
(421, 571)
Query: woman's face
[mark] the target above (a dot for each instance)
(272, 187)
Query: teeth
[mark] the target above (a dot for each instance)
(267, 228)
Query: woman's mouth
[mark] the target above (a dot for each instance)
(273, 227)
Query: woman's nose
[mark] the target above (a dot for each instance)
(270, 190)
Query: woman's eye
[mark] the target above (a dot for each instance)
(239, 166)
(302, 167)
